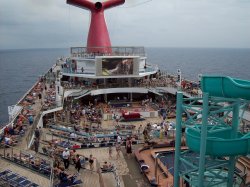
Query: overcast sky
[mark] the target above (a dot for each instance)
(157, 23)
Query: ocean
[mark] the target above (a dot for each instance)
(21, 68)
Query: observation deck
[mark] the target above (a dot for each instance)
(119, 62)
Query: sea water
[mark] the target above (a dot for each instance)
(20, 69)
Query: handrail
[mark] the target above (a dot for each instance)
(244, 166)
(33, 127)
(11, 153)
(154, 84)
(52, 175)
(101, 181)
(36, 121)
(233, 80)
(117, 178)
(125, 51)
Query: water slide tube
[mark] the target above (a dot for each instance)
(220, 143)
(222, 86)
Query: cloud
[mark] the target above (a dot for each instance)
(43, 3)
(177, 23)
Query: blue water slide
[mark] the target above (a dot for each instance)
(223, 86)
(221, 143)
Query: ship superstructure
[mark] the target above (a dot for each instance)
(103, 83)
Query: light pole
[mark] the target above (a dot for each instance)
(178, 79)
(199, 86)
(155, 157)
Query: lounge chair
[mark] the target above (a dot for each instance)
(145, 168)
(84, 146)
(11, 176)
(33, 185)
(91, 146)
(20, 179)
(69, 183)
(106, 170)
(5, 172)
(15, 182)
(102, 145)
(24, 183)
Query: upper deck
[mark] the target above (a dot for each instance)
(119, 62)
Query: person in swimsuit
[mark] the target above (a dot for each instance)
(129, 147)
(91, 162)
(118, 150)
(110, 152)
(78, 163)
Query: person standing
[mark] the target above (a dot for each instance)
(41, 135)
(146, 136)
(110, 152)
(37, 133)
(36, 145)
(118, 150)
(119, 139)
(78, 163)
(91, 162)
(139, 131)
(128, 146)
(66, 155)
(31, 120)
(40, 98)
(161, 134)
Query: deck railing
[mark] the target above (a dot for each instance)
(115, 51)
(98, 169)
(24, 158)
(32, 129)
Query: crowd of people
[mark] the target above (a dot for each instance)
(13, 132)
(75, 112)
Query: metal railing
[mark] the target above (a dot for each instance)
(117, 178)
(33, 127)
(26, 159)
(164, 81)
(98, 168)
(110, 51)
(52, 175)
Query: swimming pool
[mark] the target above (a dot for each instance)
(167, 158)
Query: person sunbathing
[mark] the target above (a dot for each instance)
(10, 140)
(144, 167)
(65, 177)
(107, 166)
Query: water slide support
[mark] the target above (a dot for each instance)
(203, 140)
(235, 123)
(178, 139)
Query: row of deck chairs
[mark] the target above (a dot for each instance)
(73, 181)
(15, 180)
(44, 168)
(65, 144)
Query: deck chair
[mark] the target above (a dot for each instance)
(104, 170)
(45, 169)
(24, 183)
(11, 176)
(5, 172)
(102, 144)
(45, 150)
(91, 146)
(20, 179)
(33, 185)
(69, 183)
